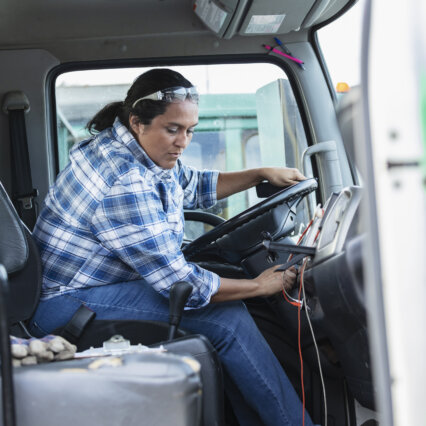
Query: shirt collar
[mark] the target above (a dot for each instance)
(123, 135)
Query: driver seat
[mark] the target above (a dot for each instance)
(19, 254)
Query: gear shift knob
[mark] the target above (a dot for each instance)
(179, 294)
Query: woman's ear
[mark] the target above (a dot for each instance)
(135, 124)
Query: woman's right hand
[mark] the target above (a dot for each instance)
(272, 281)
(269, 282)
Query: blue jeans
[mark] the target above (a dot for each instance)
(257, 386)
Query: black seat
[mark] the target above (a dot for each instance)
(19, 254)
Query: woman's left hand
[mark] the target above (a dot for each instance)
(229, 183)
(282, 176)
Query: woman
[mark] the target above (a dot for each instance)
(111, 229)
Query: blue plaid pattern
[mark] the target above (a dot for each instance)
(114, 216)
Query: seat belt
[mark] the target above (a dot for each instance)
(16, 105)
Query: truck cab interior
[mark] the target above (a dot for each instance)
(266, 99)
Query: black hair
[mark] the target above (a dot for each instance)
(149, 82)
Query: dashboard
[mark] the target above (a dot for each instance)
(335, 297)
(340, 211)
(333, 276)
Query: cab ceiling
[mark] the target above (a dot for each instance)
(102, 29)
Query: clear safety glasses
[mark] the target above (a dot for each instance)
(172, 94)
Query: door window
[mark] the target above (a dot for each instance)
(248, 117)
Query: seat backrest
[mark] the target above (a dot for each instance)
(20, 256)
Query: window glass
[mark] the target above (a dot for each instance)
(248, 117)
(340, 43)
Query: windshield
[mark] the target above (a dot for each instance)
(340, 44)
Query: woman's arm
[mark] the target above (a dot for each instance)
(267, 283)
(230, 183)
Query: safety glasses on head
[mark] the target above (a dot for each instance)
(172, 94)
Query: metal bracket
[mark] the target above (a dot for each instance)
(15, 100)
(27, 199)
(329, 150)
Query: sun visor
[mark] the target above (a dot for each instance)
(245, 17)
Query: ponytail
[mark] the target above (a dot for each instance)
(146, 110)
(104, 118)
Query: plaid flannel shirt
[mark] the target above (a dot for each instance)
(114, 216)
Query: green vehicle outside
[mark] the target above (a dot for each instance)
(226, 137)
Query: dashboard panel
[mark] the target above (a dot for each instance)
(337, 299)
(333, 281)
(339, 213)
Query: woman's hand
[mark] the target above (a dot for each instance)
(282, 176)
(269, 282)
(272, 281)
(229, 183)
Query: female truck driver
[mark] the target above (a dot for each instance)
(111, 229)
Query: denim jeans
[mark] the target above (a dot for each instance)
(256, 385)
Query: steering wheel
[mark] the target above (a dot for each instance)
(243, 233)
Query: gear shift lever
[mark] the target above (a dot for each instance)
(179, 294)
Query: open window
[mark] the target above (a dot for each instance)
(248, 117)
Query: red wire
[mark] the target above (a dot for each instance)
(288, 300)
(304, 232)
(299, 327)
(300, 238)
(289, 258)
(316, 236)
(299, 309)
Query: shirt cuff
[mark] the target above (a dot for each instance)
(215, 177)
(208, 182)
(199, 300)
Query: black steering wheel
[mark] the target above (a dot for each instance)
(242, 234)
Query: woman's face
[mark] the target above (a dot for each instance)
(165, 139)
